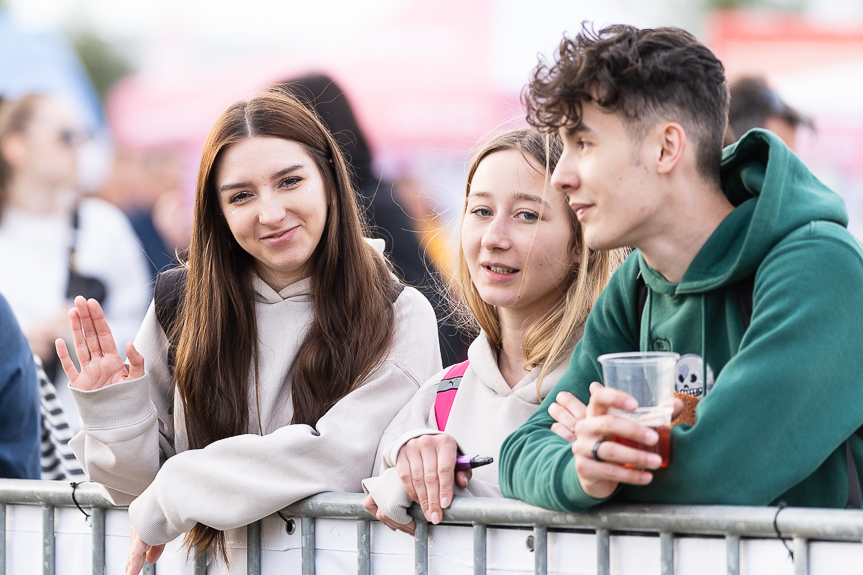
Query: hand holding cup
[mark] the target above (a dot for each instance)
(626, 424)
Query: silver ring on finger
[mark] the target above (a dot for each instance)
(595, 451)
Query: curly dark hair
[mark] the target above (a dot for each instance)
(646, 75)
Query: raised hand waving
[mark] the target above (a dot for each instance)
(101, 365)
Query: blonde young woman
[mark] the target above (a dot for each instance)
(529, 285)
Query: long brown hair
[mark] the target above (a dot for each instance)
(351, 288)
(15, 117)
(552, 336)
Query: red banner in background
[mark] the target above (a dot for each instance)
(818, 69)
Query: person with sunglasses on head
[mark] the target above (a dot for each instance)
(55, 244)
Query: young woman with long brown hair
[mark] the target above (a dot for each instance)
(294, 346)
(529, 283)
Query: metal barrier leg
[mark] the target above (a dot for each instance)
(732, 554)
(308, 542)
(479, 548)
(253, 548)
(47, 539)
(603, 555)
(98, 516)
(421, 548)
(666, 553)
(149, 569)
(801, 556)
(364, 547)
(2, 539)
(540, 550)
(200, 565)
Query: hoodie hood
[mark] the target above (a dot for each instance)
(773, 194)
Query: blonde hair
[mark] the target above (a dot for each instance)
(552, 336)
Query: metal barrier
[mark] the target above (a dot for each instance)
(801, 525)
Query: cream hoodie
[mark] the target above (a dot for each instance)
(485, 411)
(132, 444)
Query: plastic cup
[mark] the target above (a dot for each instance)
(648, 376)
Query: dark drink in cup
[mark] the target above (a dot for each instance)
(661, 447)
(658, 418)
(648, 377)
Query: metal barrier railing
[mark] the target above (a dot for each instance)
(732, 522)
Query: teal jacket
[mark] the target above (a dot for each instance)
(788, 390)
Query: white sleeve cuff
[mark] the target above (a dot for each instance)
(389, 495)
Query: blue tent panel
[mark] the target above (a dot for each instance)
(46, 63)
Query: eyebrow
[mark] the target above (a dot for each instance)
(521, 196)
(582, 128)
(275, 176)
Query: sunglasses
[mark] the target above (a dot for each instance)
(72, 137)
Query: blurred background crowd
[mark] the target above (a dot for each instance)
(127, 92)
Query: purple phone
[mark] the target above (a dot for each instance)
(463, 462)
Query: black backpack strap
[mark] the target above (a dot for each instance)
(744, 289)
(168, 296)
(854, 498)
(640, 298)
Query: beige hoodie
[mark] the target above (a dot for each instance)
(485, 411)
(132, 444)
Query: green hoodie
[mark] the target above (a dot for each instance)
(788, 390)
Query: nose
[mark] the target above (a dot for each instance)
(565, 178)
(496, 236)
(271, 212)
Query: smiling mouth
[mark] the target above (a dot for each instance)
(500, 270)
(277, 235)
(579, 210)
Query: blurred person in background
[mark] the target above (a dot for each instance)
(755, 105)
(147, 187)
(53, 244)
(386, 217)
(19, 402)
(431, 227)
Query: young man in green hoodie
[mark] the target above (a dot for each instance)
(642, 114)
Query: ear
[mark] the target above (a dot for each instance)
(578, 246)
(13, 149)
(672, 145)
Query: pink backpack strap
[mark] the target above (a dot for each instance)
(446, 391)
